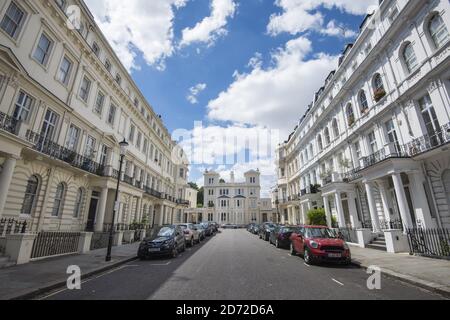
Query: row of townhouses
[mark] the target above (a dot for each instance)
(233, 202)
(66, 102)
(372, 148)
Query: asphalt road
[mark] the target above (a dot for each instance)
(235, 265)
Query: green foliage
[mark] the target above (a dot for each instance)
(194, 186)
(317, 217)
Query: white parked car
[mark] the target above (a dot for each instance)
(191, 233)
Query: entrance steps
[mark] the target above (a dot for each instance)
(378, 244)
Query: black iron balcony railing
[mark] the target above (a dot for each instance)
(352, 175)
(58, 152)
(394, 151)
(393, 224)
(8, 123)
(138, 184)
(327, 180)
(152, 192)
(429, 142)
(128, 179)
(183, 202)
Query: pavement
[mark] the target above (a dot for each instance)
(28, 280)
(235, 265)
(431, 274)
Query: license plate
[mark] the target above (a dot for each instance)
(334, 255)
(154, 250)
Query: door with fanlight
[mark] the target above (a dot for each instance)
(430, 122)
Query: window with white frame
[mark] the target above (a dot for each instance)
(112, 114)
(64, 71)
(89, 150)
(31, 193)
(78, 203)
(23, 107)
(373, 147)
(438, 31)
(43, 49)
(85, 89)
(131, 133)
(59, 200)
(99, 102)
(13, 20)
(409, 57)
(73, 137)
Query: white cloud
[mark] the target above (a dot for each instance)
(194, 92)
(299, 16)
(274, 97)
(338, 30)
(212, 27)
(138, 26)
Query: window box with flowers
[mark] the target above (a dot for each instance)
(379, 94)
(351, 120)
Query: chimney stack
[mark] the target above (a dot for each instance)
(232, 177)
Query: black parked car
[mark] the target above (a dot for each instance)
(255, 229)
(167, 240)
(280, 235)
(265, 229)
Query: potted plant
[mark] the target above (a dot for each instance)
(379, 94)
(345, 163)
(351, 120)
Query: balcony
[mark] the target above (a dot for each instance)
(8, 123)
(183, 202)
(128, 179)
(58, 152)
(313, 189)
(152, 192)
(390, 151)
(429, 142)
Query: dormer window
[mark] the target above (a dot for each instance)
(118, 79)
(108, 65)
(96, 49)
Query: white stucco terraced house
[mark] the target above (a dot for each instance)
(373, 147)
(66, 102)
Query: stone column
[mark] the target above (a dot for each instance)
(372, 208)
(100, 219)
(340, 210)
(139, 210)
(421, 207)
(384, 199)
(303, 212)
(402, 202)
(161, 215)
(326, 205)
(84, 243)
(5, 180)
(353, 210)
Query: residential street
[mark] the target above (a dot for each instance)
(236, 265)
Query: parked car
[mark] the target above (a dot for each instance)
(191, 233)
(280, 236)
(250, 227)
(209, 228)
(201, 228)
(215, 226)
(319, 244)
(165, 240)
(229, 226)
(255, 229)
(265, 229)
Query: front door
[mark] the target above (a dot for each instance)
(92, 214)
(346, 213)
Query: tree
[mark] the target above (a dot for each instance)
(200, 197)
(194, 186)
(317, 217)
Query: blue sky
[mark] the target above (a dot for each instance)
(256, 64)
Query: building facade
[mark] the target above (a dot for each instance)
(235, 202)
(66, 102)
(373, 146)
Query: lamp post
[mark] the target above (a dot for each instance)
(123, 150)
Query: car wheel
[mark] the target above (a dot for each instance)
(293, 252)
(192, 242)
(307, 256)
(183, 249)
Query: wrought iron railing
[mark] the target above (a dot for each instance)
(127, 179)
(48, 244)
(117, 227)
(327, 180)
(434, 243)
(394, 224)
(366, 224)
(429, 142)
(183, 202)
(8, 123)
(347, 234)
(58, 152)
(152, 192)
(352, 175)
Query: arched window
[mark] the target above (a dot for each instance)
(59, 199)
(364, 104)
(350, 115)
(327, 136)
(336, 132)
(409, 57)
(438, 31)
(31, 191)
(78, 203)
(319, 142)
(378, 86)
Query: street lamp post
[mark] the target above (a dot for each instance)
(123, 150)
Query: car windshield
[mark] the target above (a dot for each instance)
(319, 233)
(288, 229)
(165, 232)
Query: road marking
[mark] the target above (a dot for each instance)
(307, 265)
(340, 283)
(161, 264)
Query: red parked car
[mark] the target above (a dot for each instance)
(318, 244)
